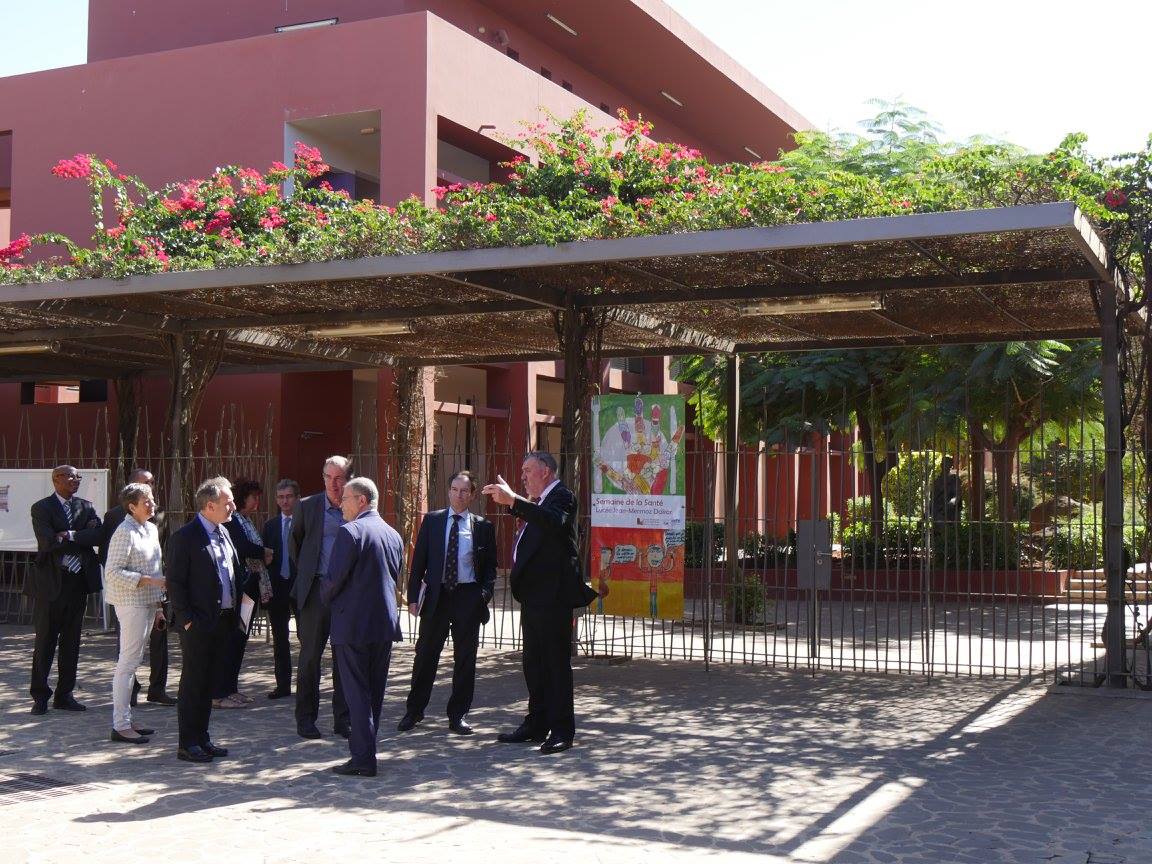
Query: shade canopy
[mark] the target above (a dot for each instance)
(1013, 273)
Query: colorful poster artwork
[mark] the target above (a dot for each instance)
(638, 485)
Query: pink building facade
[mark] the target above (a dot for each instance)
(399, 95)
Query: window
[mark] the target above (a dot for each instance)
(547, 73)
(63, 392)
(567, 85)
(605, 108)
(628, 364)
(513, 53)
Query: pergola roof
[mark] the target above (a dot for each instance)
(1002, 274)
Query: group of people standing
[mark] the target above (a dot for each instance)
(331, 561)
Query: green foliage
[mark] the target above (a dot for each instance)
(1061, 470)
(745, 598)
(694, 543)
(907, 486)
(977, 545)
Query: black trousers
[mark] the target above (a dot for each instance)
(279, 611)
(58, 624)
(313, 624)
(205, 650)
(226, 678)
(547, 632)
(363, 674)
(458, 611)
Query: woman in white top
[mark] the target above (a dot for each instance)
(133, 584)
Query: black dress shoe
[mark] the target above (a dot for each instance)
(193, 754)
(39, 707)
(212, 750)
(68, 703)
(308, 730)
(460, 727)
(135, 693)
(143, 730)
(343, 731)
(408, 721)
(350, 770)
(552, 744)
(124, 739)
(520, 735)
(279, 693)
(161, 699)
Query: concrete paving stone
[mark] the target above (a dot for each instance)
(672, 763)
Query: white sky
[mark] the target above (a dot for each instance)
(1027, 71)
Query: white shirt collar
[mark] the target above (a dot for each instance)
(64, 502)
(548, 489)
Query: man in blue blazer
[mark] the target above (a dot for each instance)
(205, 579)
(360, 589)
(451, 582)
(277, 533)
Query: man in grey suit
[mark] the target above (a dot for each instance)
(360, 587)
(314, 528)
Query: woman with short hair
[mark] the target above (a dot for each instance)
(133, 585)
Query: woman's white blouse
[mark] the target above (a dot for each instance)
(133, 551)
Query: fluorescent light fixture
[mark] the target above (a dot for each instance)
(306, 25)
(560, 24)
(752, 153)
(816, 305)
(369, 130)
(379, 328)
(28, 348)
(671, 98)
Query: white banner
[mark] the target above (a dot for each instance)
(638, 511)
(20, 488)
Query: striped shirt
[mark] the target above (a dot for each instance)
(133, 551)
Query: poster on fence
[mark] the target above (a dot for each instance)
(20, 488)
(638, 489)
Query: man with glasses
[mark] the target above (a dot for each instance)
(316, 523)
(65, 572)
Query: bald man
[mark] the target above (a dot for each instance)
(65, 572)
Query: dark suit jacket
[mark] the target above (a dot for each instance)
(428, 559)
(193, 584)
(48, 520)
(281, 588)
(112, 520)
(306, 543)
(547, 567)
(360, 584)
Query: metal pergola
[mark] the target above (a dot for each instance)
(1004, 274)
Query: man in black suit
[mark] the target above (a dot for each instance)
(158, 639)
(282, 569)
(360, 589)
(65, 572)
(205, 579)
(452, 579)
(314, 528)
(547, 582)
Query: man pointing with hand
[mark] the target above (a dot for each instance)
(547, 582)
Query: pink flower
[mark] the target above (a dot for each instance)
(188, 225)
(170, 205)
(278, 168)
(273, 219)
(76, 168)
(490, 217)
(115, 232)
(16, 248)
(606, 204)
(227, 201)
(309, 159)
(220, 220)
(1114, 199)
(111, 166)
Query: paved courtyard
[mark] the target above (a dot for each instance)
(672, 763)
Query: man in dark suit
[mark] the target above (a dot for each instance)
(547, 582)
(314, 529)
(452, 579)
(205, 579)
(360, 588)
(65, 572)
(282, 569)
(158, 639)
